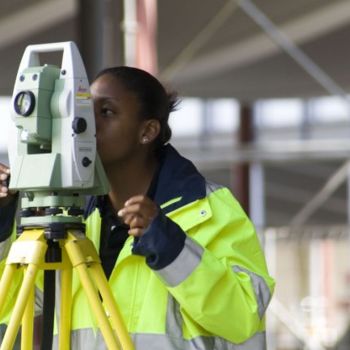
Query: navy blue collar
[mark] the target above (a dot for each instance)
(176, 177)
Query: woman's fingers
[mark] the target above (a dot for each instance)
(4, 175)
(138, 213)
(136, 232)
(4, 169)
(136, 221)
(6, 195)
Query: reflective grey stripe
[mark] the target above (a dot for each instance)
(173, 338)
(165, 342)
(174, 319)
(256, 342)
(4, 248)
(262, 291)
(84, 339)
(89, 339)
(183, 265)
(212, 187)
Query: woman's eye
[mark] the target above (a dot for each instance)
(106, 112)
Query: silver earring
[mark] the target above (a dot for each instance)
(145, 140)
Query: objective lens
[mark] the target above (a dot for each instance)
(24, 103)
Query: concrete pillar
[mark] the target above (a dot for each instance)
(100, 35)
(240, 173)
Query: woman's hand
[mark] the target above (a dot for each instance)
(138, 213)
(5, 195)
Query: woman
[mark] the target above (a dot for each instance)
(182, 258)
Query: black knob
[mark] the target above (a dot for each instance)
(79, 125)
(27, 212)
(86, 162)
(53, 211)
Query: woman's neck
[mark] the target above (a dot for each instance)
(130, 180)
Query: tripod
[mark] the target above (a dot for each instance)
(78, 252)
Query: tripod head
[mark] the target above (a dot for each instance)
(53, 154)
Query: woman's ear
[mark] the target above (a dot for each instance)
(149, 131)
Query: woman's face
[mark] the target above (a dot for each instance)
(118, 123)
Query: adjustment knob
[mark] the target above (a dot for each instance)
(79, 125)
(86, 162)
(27, 212)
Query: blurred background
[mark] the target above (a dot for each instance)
(265, 111)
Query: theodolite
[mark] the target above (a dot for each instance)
(54, 164)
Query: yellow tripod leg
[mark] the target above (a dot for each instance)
(18, 310)
(83, 256)
(75, 254)
(108, 299)
(6, 280)
(78, 251)
(96, 305)
(28, 322)
(28, 250)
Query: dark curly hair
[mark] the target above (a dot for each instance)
(155, 101)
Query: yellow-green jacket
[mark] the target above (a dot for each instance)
(196, 280)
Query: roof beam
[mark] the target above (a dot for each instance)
(267, 152)
(260, 46)
(33, 19)
(322, 196)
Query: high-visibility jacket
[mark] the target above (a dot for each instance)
(197, 279)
